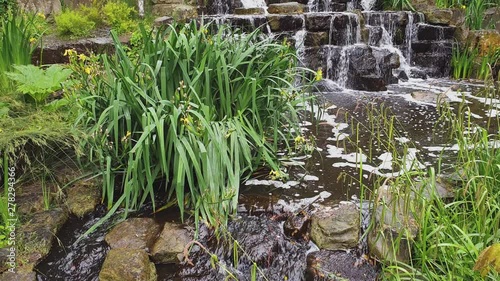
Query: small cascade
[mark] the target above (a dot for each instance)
(140, 8)
(368, 5)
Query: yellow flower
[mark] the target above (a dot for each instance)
(126, 136)
(463, 7)
(319, 74)
(88, 70)
(185, 120)
(69, 52)
(40, 15)
(32, 40)
(275, 174)
(205, 30)
(299, 140)
(82, 57)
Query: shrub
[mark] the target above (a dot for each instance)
(199, 110)
(119, 16)
(73, 23)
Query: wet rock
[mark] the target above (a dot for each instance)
(37, 235)
(326, 86)
(18, 276)
(46, 7)
(53, 48)
(403, 76)
(423, 5)
(249, 24)
(394, 22)
(336, 228)
(492, 18)
(434, 33)
(439, 16)
(134, 233)
(249, 11)
(30, 198)
(83, 197)
(284, 23)
(318, 21)
(418, 73)
(370, 82)
(315, 58)
(163, 21)
(312, 39)
(395, 225)
(127, 265)
(339, 265)
(286, 8)
(433, 64)
(374, 35)
(178, 11)
(297, 225)
(429, 97)
(169, 247)
(262, 240)
(432, 47)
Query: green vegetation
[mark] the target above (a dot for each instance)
(474, 10)
(399, 5)
(39, 83)
(468, 62)
(82, 21)
(451, 233)
(17, 42)
(200, 109)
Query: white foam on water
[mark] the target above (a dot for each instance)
(275, 183)
(299, 204)
(403, 140)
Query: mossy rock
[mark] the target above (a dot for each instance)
(127, 265)
(488, 259)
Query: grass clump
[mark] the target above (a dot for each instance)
(197, 108)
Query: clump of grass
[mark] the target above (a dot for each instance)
(199, 108)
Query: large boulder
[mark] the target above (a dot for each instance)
(395, 227)
(178, 11)
(46, 7)
(134, 233)
(169, 247)
(37, 235)
(336, 228)
(279, 23)
(127, 265)
(339, 265)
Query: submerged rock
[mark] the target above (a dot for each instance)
(336, 228)
(259, 240)
(18, 276)
(134, 233)
(429, 97)
(127, 265)
(169, 247)
(339, 265)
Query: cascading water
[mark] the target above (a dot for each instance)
(368, 5)
(140, 7)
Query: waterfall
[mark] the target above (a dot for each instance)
(140, 7)
(368, 5)
(254, 3)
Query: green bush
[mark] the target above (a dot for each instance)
(73, 23)
(200, 110)
(119, 16)
(93, 13)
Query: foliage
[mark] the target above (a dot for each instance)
(73, 23)
(474, 10)
(462, 61)
(399, 5)
(200, 110)
(93, 13)
(451, 235)
(7, 7)
(17, 43)
(37, 82)
(119, 16)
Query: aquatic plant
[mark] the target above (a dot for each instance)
(17, 42)
(200, 108)
(452, 234)
(462, 61)
(398, 5)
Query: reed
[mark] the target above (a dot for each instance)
(201, 108)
